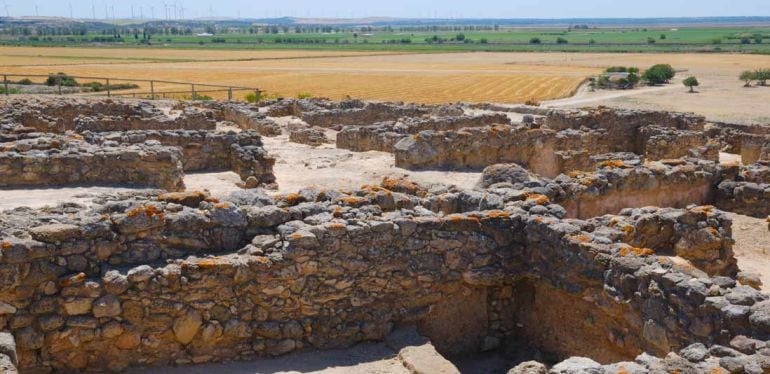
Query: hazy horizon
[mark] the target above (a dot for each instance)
(553, 9)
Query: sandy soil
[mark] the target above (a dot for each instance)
(365, 358)
(752, 246)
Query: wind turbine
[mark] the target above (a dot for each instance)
(71, 17)
(152, 11)
(7, 12)
(165, 9)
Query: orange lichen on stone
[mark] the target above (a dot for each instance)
(633, 251)
(148, 210)
(612, 164)
(224, 205)
(498, 214)
(580, 238)
(212, 200)
(77, 278)
(353, 200)
(337, 226)
(210, 263)
(402, 185)
(713, 231)
(337, 212)
(293, 198)
(539, 199)
(628, 229)
(295, 236)
(5, 245)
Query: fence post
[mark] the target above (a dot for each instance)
(229, 93)
(109, 94)
(5, 83)
(59, 85)
(152, 90)
(193, 92)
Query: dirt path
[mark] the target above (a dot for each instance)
(584, 95)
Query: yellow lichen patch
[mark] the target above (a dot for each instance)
(612, 164)
(539, 199)
(295, 236)
(633, 251)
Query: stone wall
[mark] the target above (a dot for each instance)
(249, 118)
(369, 114)
(568, 142)
(384, 136)
(57, 160)
(179, 279)
(206, 151)
(68, 114)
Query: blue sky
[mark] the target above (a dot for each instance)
(395, 8)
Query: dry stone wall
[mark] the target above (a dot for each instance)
(54, 160)
(145, 280)
(384, 136)
(208, 151)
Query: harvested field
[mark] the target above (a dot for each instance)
(423, 78)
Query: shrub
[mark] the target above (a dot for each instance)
(25, 82)
(716, 41)
(484, 41)
(745, 40)
(747, 76)
(592, 42)
(650, 40)
(535, 41)
(659, 74)
(633, 79)
(662, 36)
(633, 70)
(304, 95)
(99, 87)
(758, 38)
(254, 97)
(61, 79)
(616, 69)
(561, 40)
(762, 76)
(691, 82)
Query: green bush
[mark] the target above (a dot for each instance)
(535, 41)
(254, 97)
(304, 95)
(25, 82)
(659, 74)
(561, 40)
(747, 76)
(61, 79)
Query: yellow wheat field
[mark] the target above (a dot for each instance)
(421, 78)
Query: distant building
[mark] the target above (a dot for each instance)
(204, 34)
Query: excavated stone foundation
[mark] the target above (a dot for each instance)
(594, 238)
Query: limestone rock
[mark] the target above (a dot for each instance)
(186, 326)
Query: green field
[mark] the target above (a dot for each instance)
(736, 39)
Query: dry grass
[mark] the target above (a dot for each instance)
(423, 78)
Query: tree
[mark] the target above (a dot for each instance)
(758, 38)
(633, 70)
(745, 40)
(535, 41)
(659, 74)
(747, 76)
(592, 42)
(691, 82)
(561, 40)
(662, 36)
(650, 40)
(762, 76)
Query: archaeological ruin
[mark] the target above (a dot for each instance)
(595, 241)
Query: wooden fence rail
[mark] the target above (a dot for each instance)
(194, 91)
